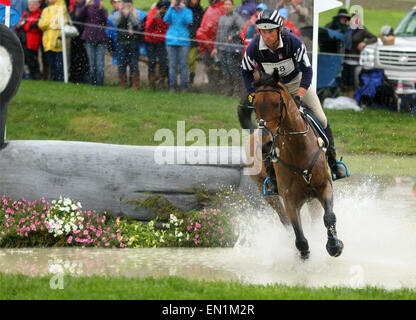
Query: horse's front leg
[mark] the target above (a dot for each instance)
(257, 171)
(293, 211)
(334, 246)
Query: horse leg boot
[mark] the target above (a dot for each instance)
(336, 168)
(334, 246)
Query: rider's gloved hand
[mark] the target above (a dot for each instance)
(250, 99)
(298, 101)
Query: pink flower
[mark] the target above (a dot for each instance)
(196, 236)
(197, 225)
(107, 244)
(85, 232)
(70, 239)
(188, 228)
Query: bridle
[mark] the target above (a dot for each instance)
(273, 153)
(279, 117)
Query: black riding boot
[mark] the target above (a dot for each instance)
(271, 184)
(244, 115)
(336, 168)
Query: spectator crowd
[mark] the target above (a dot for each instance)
(171, 37)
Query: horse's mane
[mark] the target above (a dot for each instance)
(268, 80)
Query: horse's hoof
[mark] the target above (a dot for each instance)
(304, 255)
(335, 249)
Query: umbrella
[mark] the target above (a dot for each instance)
(14, 15)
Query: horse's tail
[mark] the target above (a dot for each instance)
(244, 115)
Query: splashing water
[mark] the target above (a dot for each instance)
(376, 220)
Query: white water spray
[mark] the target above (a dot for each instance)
(377, 224)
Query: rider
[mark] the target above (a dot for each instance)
(276, 47)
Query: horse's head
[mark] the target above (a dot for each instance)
(269, 100)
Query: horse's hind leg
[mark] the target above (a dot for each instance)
(334, 246)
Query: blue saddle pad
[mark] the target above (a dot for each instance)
(315, 124)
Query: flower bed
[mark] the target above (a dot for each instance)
(63, 223)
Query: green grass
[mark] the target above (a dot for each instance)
(374, 131)
(381, 165)
(80, 288)
(58, 111)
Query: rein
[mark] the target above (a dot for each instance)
(274, 153)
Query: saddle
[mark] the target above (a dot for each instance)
(313, 121)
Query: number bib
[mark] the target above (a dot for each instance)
(285, 67)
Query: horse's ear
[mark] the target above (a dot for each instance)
(275, 75)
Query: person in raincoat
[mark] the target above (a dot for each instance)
(49, 23)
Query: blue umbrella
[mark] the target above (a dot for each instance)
(14, 15)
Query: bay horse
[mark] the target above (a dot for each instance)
(298, 158)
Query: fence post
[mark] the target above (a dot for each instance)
(65, 66)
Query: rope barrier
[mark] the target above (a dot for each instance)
(236, 45)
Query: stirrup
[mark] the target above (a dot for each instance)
(333, 175)
(268, 194)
